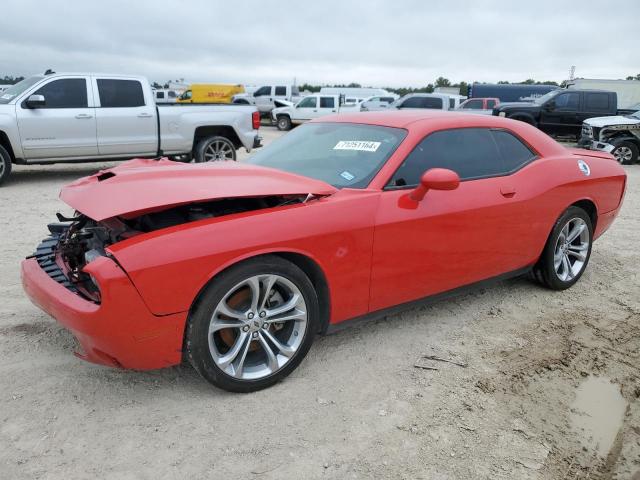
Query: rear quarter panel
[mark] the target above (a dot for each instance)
(178, 124)
(170, 267)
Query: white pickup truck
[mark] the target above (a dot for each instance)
(92, 117)
(266, 98)
(310, 107)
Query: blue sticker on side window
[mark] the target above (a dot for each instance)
(347, 176)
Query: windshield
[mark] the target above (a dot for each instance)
(635, 114)
(341, 154)
(14, 90)
(545, 97)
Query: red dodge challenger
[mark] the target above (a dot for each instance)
(237, 266)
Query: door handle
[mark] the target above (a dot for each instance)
(316, 111)
(144, 115)
(508, 191)
(83, 116)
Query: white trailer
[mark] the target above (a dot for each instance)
(628, 91)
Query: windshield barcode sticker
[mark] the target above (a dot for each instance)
(357, 145)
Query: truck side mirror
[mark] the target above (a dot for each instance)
(550, 105)
(35, 101)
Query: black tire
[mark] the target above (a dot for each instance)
(626, 153)
(545, 271)
(214, 148)
(197, 349)
(5, 164)
(284, 123)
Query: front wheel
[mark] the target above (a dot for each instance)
(284, 123)
(626, 153)
(253, 325)
(5, 164)
(567, 252)
(215, 148)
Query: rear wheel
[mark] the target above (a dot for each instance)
(284, 123)
(567, 252)
(215, 148)
(626, 153)
(253, 325)
(5, 164)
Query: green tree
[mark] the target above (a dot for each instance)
(637, 77)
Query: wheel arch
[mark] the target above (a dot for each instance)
(524, 117)
(590, 207)
(216, 130)
(310, 266)
(6, 143)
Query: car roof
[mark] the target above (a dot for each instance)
(423, 120)
(404, 118)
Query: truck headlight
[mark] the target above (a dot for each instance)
(502, 114)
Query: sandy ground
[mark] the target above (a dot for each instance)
(547, 384)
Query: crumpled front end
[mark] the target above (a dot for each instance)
(98, 303)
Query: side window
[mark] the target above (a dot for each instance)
(567, 101)
(452, 103)
(386, 99)
(262, 91)
(597, 102)
(514, 153)
(431, 102)
(473, 104)
(309, 102)
(120, 93)
(65, 93)
(470, 152)
(159, 94)
(171, 94)
(491, 103)
(281, 91)
(327, 102)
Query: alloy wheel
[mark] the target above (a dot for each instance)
(218, 150)
(623, 154)
(571, 249)
(257, 327)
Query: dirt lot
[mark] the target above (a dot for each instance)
(545, 384)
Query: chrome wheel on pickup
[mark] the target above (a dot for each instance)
(253, 324)
(212, 149)
(626, 153)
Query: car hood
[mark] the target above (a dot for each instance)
(140, 186)
(606, 121)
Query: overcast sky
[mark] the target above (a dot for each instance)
(374, 42)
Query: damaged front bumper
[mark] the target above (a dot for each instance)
(591, 144)
(120, 331)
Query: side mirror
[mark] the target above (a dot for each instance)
(550, 106)
(35, 101)
(435, 179)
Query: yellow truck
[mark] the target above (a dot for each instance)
(210, 93)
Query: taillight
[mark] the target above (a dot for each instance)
(255, 117)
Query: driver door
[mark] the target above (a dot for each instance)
(560, 115)
(451, 238)
(65, 126)
(305, 109)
